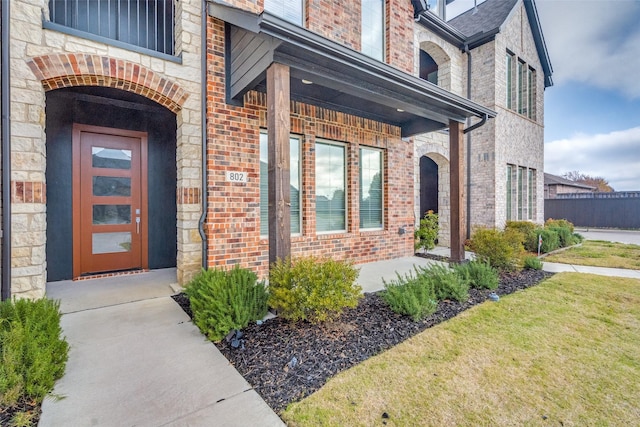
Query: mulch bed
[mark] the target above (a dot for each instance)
(285, 362)
(7, 413)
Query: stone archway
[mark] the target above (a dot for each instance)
(441, 59)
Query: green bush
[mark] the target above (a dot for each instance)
(427, 233)
(33, 354)
(550, 240)
(525, 227)
(559, 223)
(222, 301)
(446, 283)
(500, 249)
(565, 236)
(478, 275)
(532, 263)
(576, 238)
(411, 295)
(312, 289)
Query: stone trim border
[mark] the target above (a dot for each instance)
(58, 71)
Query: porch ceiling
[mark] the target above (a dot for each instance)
(342, 78)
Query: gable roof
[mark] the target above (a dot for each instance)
(481, 24)
(550, 179)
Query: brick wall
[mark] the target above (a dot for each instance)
(336, 20)
(233, 224)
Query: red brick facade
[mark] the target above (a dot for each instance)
(233, 218)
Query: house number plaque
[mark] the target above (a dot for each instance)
(236, 176)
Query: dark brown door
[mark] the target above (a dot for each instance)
(109, 200)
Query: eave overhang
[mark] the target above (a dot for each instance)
(342, 78)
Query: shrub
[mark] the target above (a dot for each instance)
(550, 240)
(500, 249)
(532, 263)
(411, 295)
(478, 275)
(33, 354)
(446, 283)
(576, 238)
(427, 233)
(525, 227)
(559, 223)
(312, 289)
(222, 301)
(565, 236)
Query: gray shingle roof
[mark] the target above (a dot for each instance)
(490, 16)
(550, 179)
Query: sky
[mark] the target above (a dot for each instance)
(592, 112)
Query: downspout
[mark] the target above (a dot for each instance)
(203, 95)
(6, 157)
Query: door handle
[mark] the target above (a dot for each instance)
(138, 225)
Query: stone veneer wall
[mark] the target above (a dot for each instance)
(31, 43)
(234, 209)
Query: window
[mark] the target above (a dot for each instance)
(521, 88)
(509, 66)
(509, 192)
(428, 68)
(331, 202)
(521, 193)
(294, 144)
(373, 28)
(370, 188)
(146, 24)
(289, 10)
(532, 191)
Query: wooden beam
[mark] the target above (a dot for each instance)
(456, 193)
(278, 130)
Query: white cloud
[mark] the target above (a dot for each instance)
(614, 156)
(594, 42)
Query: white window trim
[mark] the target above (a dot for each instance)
(384, 195)
(346, 186)
(299, 138)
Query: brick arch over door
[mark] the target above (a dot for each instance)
(58, 71)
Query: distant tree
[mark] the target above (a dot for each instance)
(601, 184)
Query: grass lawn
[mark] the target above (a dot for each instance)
(565, 352)
(598, 253)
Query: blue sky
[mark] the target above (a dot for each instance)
(592, 113)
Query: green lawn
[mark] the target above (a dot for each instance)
(598, 253)
(566, 352)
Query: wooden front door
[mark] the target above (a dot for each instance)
(109, 200)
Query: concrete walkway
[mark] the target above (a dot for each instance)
(137, 360)
(553, 267)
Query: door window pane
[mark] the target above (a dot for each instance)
(330, 188)
(107, 243)
(111, 214)
(370, 188)
(110, 158)
(294, 184)
(373, 28)
(111, 186)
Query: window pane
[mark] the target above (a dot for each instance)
(111, 214)
(110, 159)
(289, 10)
(509, 192)
(111, 186)
(521, 190)
(106, 243)
(532, 192)
(294, 185)
(370, 188)
(330, 188)
(373, 28)
(509, 79)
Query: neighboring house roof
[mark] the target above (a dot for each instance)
(480, 25)
(550, 179)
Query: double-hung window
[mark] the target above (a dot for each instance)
(294, 184)
(331, 201)
(371, 194)
(372, 28)
(289, 10)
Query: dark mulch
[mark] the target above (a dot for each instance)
(24, 405)
(286, 362)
